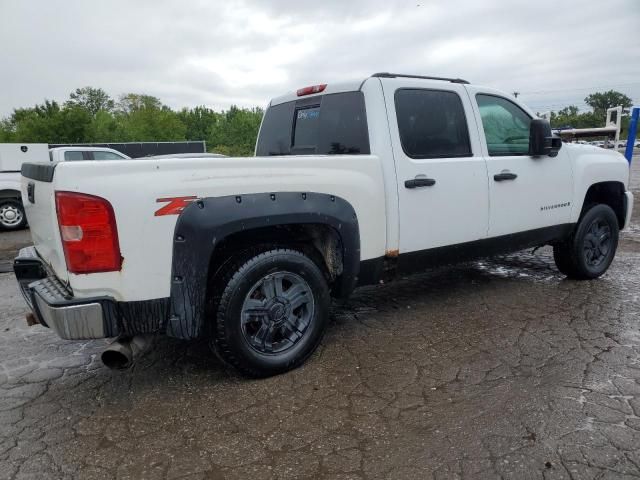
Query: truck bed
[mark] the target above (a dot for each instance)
(135, 189)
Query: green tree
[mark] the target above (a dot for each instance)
(37, 124)
(145, 119)
(49, 123)
(199, 122)
(73, 126)
(570, 111)
(90, 115)
(132, 102)
(236, 132)
(7, 131)
(107, 127)
(601, 101)
(571, 117)
(92, 99)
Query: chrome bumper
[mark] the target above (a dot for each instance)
(70, 321)
(53, 303)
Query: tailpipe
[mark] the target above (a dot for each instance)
(124, 351)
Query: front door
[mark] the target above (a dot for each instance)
(525, 193)
(442, 175)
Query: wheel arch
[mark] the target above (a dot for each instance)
(611, 193)
(10, 193)
(209, 230)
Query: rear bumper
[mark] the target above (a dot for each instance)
(54, 305)
(72, 321)
(629, 201)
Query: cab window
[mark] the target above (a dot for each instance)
(73, 155)
(102, 155)
(333, 124)
(432, 124)
(506, 126)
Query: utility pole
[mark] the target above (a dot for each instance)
(515, 94)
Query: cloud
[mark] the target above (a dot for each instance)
(223, 53)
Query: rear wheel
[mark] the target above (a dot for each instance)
(12, 216)
(588, 253)
(271, 313)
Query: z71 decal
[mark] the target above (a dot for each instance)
(175, 205)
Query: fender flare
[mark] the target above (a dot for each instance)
(206, 222)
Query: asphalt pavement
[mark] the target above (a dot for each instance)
(493, 369)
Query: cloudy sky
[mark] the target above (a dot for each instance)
(218, 53)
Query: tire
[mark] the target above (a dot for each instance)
(588, 253)
(272, 311)
(12, 215)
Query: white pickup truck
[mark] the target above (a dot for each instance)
(13, 155)
(352, 183)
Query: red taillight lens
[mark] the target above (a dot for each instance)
(312, 89)
(89, 233)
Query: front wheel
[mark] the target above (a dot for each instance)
(588, 253)
(12, 216)
(271, 313)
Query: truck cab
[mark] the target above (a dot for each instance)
(352, 183)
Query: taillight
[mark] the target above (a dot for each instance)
(312, 89)
(89, 233)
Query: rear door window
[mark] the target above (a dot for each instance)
(102, 155)
(73, 155)
(334, 124)
(432, 124)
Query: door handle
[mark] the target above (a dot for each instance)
(31, 192)
(419, 182)
(500, 177)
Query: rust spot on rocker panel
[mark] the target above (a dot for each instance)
(392, 253)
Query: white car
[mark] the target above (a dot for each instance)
(352, 183)
(14, 155)
(65, 154)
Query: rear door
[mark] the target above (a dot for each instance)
(442, 175)
(525, 192)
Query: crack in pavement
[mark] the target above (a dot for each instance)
(493, 369)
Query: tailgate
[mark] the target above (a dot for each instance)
(39, 204)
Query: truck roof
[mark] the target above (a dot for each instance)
(353, 85)
(335, 87)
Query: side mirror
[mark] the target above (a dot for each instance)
(541, 140)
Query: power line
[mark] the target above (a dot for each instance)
(554, 105)
(544, 92)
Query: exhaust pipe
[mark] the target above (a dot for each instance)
(125, 350)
